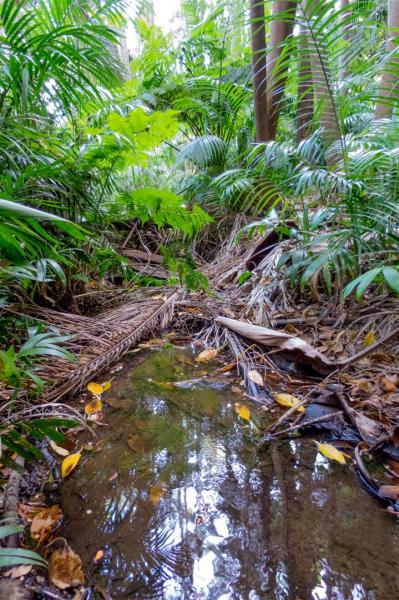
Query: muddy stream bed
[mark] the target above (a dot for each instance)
(183, 507)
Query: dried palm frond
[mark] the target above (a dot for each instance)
(158, 318)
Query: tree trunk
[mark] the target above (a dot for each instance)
(305, 108)
(321, 76)
(347, 39)
(259, 70)
(389, 80)
(281, 30)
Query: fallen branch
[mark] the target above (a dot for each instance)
(11, 499)
(298, 349)
(74, 380)
(297, 426)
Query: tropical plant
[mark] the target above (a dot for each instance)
(10, 557)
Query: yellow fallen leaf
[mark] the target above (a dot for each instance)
(242, 411)
(94, 406)
(331, 452)
(95, 388)
(256, 377)
(207, 355)
(58, 449)
(69, 463)
(99, 555)
(288, 401)
(369, 339)
(157, 491)
(106, 385)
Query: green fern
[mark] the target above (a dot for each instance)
(164, 209)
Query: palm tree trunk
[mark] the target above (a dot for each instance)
(282, 28)
(321, 76)
(389, 80)
(305, 108)
(347, 39)
(259, 70)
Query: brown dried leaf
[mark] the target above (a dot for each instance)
(388, 383)
(135, 442)
(17, 572)
(28, 511)
(394, 436)
(389, 491)
(58, 449)
(65, 568)
(207, 355)
(45, 522)
(256, 377)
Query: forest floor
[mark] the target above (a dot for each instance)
(334, 367)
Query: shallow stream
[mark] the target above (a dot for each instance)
(183, 507)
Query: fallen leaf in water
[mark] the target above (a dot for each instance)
(237, 390)
(389, 491)
(388, 383)
(207, 355)
(99, 555)
(58, 449)
(331, 452)
(100, 445)
(69, 463)
(93, 407)
(166, 385)
(65, 568)
(288, 401)
(17, 572)
(242, 411)
(135, 442)
(95, 388)
(45, 522)
(158, 491)
(369, 339)
(256, 377)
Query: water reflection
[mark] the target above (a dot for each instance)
(195, 515)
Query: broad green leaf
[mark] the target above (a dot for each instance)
(6, 530)
(18, 556)
(391, 276)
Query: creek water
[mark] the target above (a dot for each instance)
(183, 507)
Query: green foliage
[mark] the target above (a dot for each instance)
(180, 262)
(127, 140)
(165, 209)
(16, 366)
(10, 557)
